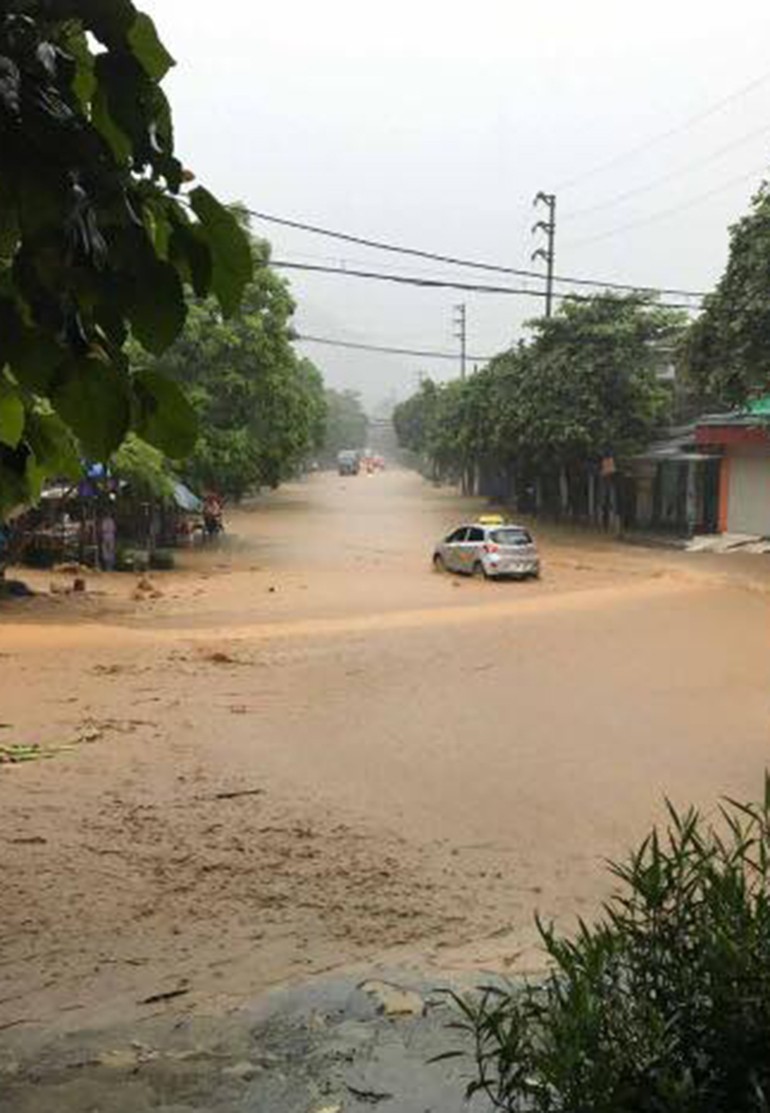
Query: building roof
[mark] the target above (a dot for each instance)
(760, 407)
(757, 412)
(678, 445)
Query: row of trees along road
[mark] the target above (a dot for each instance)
(262, 409)
(132, 303)
(543, 415)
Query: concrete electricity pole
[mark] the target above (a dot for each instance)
(461, 332)
(547, 253)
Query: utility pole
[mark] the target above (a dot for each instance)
(547, 253)
(461, 333)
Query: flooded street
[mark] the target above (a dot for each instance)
(310, 753)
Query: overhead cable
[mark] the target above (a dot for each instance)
(663, 214)
(472, 264)
(670, 133)
(444, 283)
(385, 349)
(620, 198)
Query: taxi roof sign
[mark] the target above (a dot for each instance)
(492, 520)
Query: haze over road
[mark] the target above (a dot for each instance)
(311, 751)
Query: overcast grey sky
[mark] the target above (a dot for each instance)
(433, 124)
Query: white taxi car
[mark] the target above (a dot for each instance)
(488, 547)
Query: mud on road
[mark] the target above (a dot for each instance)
(309, 752)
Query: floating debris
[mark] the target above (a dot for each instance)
(16, 753)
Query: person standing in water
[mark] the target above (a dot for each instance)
(108, 531)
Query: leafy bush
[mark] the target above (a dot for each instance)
(132, 560)
(663, 1006)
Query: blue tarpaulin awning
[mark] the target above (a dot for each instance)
(186, 500)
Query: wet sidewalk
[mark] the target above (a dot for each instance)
(338, 1045)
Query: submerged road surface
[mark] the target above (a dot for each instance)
(306, 752)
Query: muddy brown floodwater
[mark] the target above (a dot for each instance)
(310, 753)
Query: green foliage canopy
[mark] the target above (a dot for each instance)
(727, 351)
(97, 242)
(261, 407)
(347, 425)
(145, 468)
(584, 386)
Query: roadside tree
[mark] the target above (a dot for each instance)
(413, 419)
(347, 425)
(261, 408)
(585, 386)
(144, 467)
(589, 384)
(726, 353)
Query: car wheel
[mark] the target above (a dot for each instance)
(479, 571)
(438, 563)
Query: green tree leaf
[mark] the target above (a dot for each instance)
(148, 49)
(75, 42)
(10, 233)
(91, 396)
(33, 357)
(14, 486)
(52, 444)
(157, 307)
(11, 415)
(105, 124)
(109, 20)
(190, 253)
(230, 249)
(165, 418)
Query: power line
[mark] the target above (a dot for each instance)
(443, 283)
(620, 198)
(411, 280)
(653, 141)
(472, 264)
(345, 262)
(664, 213)
(385, 349)
(425, 353)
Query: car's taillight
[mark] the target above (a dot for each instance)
(491, 547)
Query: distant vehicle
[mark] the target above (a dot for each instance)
(370, 462)
(488, 548)
(348, 463)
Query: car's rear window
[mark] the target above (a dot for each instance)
(511, 537)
